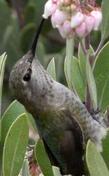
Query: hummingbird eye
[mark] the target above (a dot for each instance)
(27, 76)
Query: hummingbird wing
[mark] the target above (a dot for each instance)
(63, 141)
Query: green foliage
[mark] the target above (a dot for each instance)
(15, 146)
(9, 116)
(105, 21)
(51, 68)
(27, 36)
(43, 159)
(78, 83)
(101, 73)
(56, 171)
(30, 13)
(68, 61)
(95, 162)
(105, 152)
(91, 84)
(82, 61)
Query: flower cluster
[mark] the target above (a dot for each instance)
(72, 17)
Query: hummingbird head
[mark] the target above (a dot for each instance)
(20, 76)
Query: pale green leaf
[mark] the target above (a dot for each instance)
(105, 152)
(15, 146)
(91, 84)
(105, 21)
(43, 159)
(95, 162)
(82, 61)
(101, 74)
(67, 70)
(51, 69)
(11, 114)
(78, 83)
(68, 61)
(56, 171)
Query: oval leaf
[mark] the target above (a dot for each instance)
(15, 146)
(91, 84)
(11, 113)
(43, 159)
(51, 69)
(78, 83)
(95, 162)
(101, 74)
(67, 70)
(105, 21)
(82, 61)
(68, 61)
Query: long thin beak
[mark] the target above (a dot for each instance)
(35, 41)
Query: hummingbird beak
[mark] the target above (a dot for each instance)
(35, 41)
(31, 53)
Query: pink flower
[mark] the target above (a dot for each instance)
(49, 9)
(77, 19)
(89, 20)
(81, 30)
(58, 18)
(66, 30)
(98, 18)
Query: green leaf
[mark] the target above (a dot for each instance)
(15, 146)
(105, 21)
(56, 171)
(105, 152)
(2, 68)
(25, 168)
(82, 62)
(95, 162)
(91, 84)
(101, 74)
(78, 83)
(11, 114)
(51, 69)
(43, 159)
(67, 70)
(68, 61)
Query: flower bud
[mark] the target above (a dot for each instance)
(81, 30)
(98, 18)
(77, 19)
(58, 18)
(89, 20)
(67, 28)
(49, 9)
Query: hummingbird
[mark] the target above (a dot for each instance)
(62, 120)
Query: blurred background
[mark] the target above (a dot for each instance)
(19, 20)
